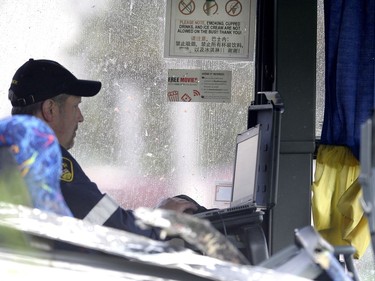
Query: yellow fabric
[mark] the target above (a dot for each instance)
(337, 212)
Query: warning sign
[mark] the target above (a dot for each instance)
(233, 8)
(185, 85)
(186, 7)
(213, 29)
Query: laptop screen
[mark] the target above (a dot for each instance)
(245, 166)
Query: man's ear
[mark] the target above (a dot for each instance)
(48, 108)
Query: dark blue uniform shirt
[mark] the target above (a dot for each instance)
(82, 196)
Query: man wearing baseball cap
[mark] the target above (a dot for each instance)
(49, 91)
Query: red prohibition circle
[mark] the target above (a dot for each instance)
(233, 8)
(186, 8)
(215, 6)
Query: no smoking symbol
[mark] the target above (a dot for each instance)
(186, 7)
(233, 8)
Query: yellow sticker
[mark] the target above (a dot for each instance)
(67, 170)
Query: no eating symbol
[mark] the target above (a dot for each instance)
(186, 7)
(233, 8)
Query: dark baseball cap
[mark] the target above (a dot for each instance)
(39, 80)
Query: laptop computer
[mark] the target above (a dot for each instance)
(244, 180)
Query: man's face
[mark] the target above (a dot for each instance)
(66, 121)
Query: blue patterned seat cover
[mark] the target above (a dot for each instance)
(38, 156)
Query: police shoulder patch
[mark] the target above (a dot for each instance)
(67, 170)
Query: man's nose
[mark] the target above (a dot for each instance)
(80, 117)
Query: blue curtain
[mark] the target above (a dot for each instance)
(350, 63)
(349, 102)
